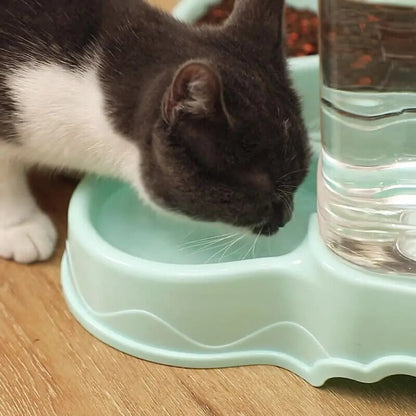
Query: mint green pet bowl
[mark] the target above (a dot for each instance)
(165, 290)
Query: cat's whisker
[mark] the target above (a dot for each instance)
(209, 247)
(238, 249)
(206, 247)
(247, 253)
(282, 193)
(206, 241)
(225, 249)
(232, 245)
(288, 205)
(255, 243)
(252, 246)
(213, 245)
(200, 250)
(288, 186)
(213, 237)
(289, 174)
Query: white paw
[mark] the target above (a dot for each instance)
(31, 240)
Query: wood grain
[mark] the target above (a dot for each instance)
(50, 366)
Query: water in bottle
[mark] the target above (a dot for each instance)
(367, 177)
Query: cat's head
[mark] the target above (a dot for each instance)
(230, 144)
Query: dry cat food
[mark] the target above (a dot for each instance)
(368, 46)
(302, 27)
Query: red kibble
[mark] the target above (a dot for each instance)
(372, 18)
(366, 59)
(361, 62)
(302, 27)
(308, 48)
(365, 81)
(351, 38)
(294, 36)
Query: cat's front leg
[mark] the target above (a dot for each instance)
(26, 233)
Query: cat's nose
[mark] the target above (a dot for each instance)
(282, 215)
(267, 230)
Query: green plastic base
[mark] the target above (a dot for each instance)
(294, 304)
(308, 312)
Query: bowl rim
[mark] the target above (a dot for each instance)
(84, 232)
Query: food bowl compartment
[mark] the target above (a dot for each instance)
(177, 240)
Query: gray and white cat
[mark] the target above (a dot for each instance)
(200, 121)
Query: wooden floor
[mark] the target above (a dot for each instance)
(49, 365)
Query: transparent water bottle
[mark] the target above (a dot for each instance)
(367, 177)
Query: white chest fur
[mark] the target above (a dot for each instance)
(62, 123)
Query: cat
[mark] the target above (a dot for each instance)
(202, 122)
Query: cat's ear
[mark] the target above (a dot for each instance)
(196, 91)
(259, 19)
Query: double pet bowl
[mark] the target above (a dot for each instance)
(169, 291)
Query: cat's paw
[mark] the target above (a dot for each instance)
(28, 241)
